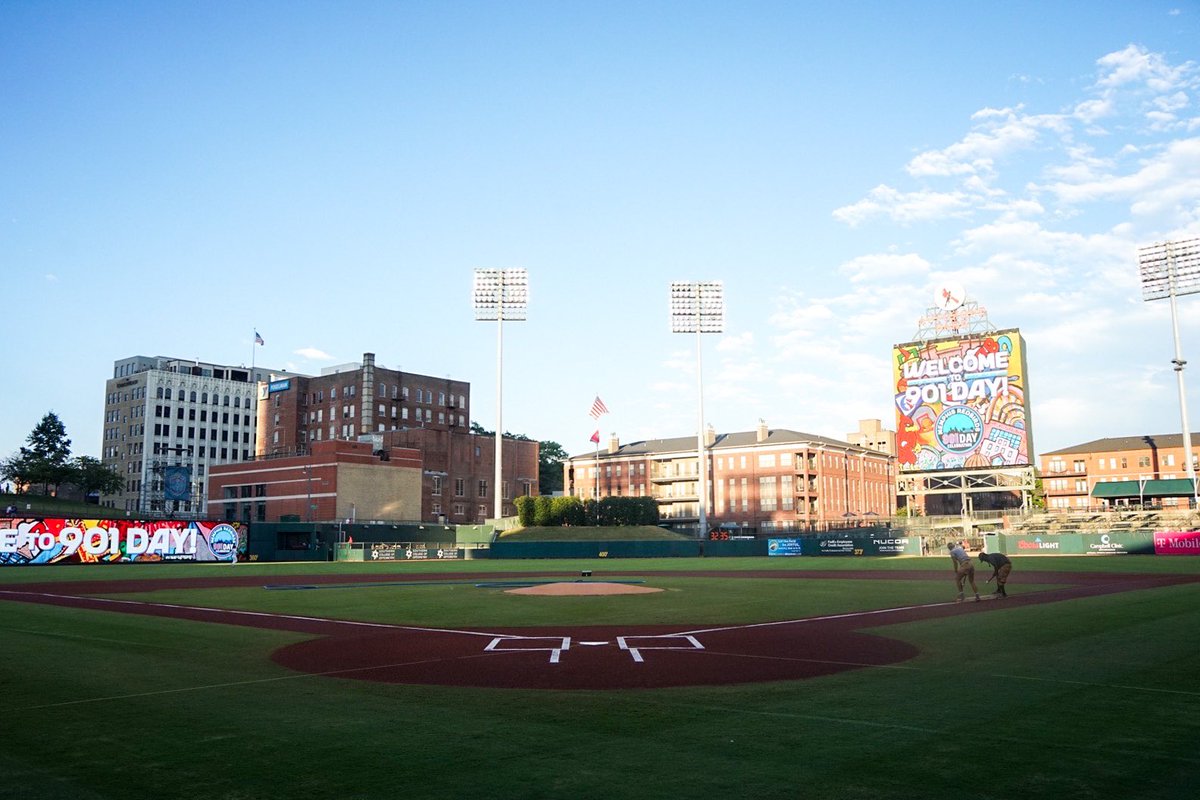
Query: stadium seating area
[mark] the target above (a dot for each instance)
(1105, 521)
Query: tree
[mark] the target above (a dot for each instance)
(16, 470)
(91, 475)
(550, 474)
(48, 456)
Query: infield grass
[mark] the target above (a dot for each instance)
(1086, 698)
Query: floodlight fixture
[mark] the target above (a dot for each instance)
(499, 295)
(1170, 269)
(699, 307)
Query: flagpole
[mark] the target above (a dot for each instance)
(596, 495)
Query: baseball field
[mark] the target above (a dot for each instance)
(666, 678)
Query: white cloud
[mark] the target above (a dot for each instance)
(904, 207)
(881, 266)
(1170, 178)
(736, 343)
(1136, 65)
(313, 354)
(1000, 133)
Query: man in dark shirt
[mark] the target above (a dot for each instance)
(1001, 566)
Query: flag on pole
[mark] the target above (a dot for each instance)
(595, 437)
(258, 339)
(598, 408)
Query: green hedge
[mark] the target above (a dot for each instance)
(551, 511)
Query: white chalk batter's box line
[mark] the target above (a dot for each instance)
(557, 645)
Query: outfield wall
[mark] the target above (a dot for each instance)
(1171, 543)
(876, 543)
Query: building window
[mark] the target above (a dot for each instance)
(1144, 461)
(766, 459)
(766, 493)
(1080, 466)
(483, 489)
(460, 487)
(437, 485)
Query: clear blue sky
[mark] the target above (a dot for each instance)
(175, 175)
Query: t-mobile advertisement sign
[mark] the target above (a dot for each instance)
(1177, 543)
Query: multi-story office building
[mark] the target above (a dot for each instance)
(167, 421)
(1070, 475)
(762, 482)
(873, 436)
(394, 409)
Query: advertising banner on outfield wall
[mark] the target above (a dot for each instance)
(1078, 544)
(1177, 543)
(51, 540)
(419, 551)
(851, 545)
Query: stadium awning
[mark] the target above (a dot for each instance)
(1112, 490)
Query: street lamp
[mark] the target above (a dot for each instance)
(1169, 269)
(699, 307)
(500, 294)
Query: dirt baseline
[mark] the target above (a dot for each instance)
(583, 657)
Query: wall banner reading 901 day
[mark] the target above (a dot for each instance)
(51, 540)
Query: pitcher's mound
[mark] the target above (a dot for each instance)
(582, 588)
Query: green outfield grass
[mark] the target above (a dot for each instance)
(1088, 698)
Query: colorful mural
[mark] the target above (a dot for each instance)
(962, 403)
(34, 540)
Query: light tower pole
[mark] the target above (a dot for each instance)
(699, 307)
(1169, 269)
(500, 294)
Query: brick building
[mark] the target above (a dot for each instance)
(1070, 475)
(332, 480)
(394, 409)
(764, 482)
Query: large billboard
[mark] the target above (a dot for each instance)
(34, 540)
(962, 403)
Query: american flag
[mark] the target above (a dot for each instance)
(258, 339)
(598, 408)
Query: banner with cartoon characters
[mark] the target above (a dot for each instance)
(962, 403)
(31, 540)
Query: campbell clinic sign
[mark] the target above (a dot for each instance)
(962, 403)
(33, 541)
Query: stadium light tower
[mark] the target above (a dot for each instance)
(1170, 269)
(500, 294)
(699, 307)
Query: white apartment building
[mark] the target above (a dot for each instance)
(168, 420)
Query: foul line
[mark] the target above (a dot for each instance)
(826, 618)
(263, 614)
